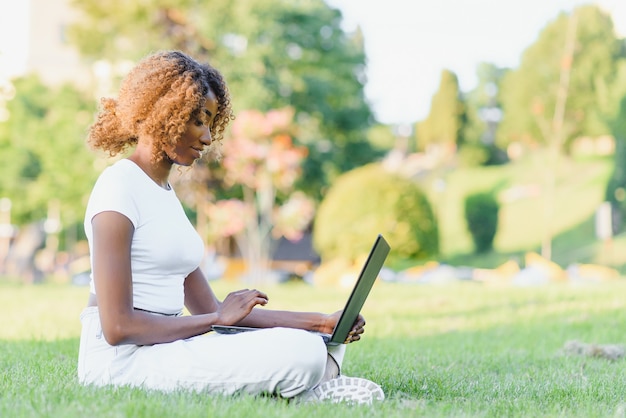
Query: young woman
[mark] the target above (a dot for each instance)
(145, 257)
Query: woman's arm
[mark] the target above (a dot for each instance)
(266, 318)
(121, 323)
(200, 299)
(304, 320)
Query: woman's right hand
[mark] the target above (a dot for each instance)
(237, 305)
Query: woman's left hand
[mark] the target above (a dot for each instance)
(358, 328)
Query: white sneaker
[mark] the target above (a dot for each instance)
(354, 390)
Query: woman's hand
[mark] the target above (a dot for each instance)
(237, 305)
(358, 328)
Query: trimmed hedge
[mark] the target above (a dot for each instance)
(481, 215)
(370, 200)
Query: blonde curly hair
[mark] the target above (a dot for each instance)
(157, 99)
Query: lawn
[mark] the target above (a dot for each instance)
(580, 187)
(457, 350)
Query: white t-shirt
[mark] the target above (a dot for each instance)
(165, 246)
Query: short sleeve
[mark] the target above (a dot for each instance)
(113, 191)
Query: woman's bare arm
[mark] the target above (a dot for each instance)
(304, 320)
(200, 299)
(121, 323)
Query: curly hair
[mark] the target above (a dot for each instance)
(157, 98)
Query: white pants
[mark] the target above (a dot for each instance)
(280, 361)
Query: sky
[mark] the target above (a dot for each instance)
(13, 37)
(409, 42)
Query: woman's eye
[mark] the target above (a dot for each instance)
(199, 122)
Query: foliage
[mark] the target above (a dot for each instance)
(481, 214)
(616, 186)
(444, 124)
(261, 159)
(529, 93)
(381, 137)
(484, 113)
(616, 116)
(273, 53)
(370, 200)
(44, 136)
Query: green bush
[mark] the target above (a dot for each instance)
(481, 215)
(370, 200)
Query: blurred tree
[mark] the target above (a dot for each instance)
(559, 92)
(531, 92)
(273, 53)
(616, 186)
(261, 159)
(444, 124)
(382, 137)
(484, 112)
(44, 153)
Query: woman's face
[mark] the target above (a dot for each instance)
(197, 134)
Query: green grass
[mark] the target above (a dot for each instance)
(438, 351)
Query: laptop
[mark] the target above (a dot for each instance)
(360, 291)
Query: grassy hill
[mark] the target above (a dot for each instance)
(579, 190)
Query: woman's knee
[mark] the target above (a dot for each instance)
(304, 352)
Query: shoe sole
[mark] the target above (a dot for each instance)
(349, 389)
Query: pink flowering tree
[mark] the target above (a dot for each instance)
(259, 156)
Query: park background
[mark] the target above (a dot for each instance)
(514, 185)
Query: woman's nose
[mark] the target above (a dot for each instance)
(206, 137)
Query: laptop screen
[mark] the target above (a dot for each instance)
(361, 290)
